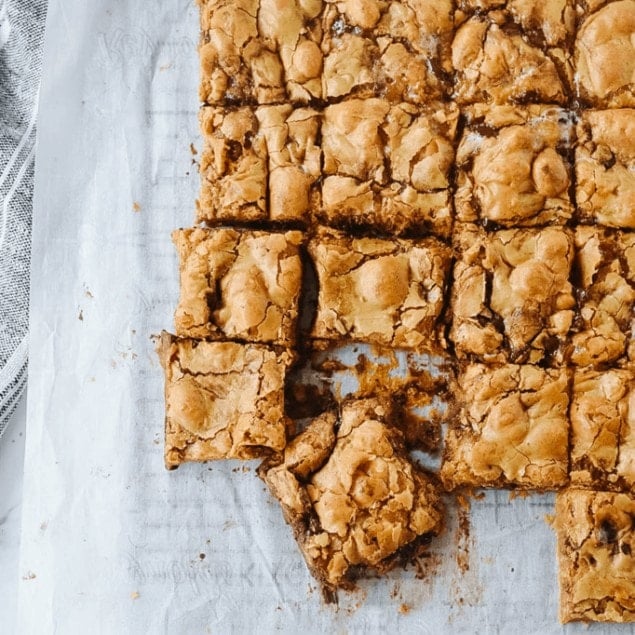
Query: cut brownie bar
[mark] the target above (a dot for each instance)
(260, 164)
(352, 496)
(398, 50)
(603, 429)
(513, 168)
(260, 51)
(511, 298)
(605, 167)
(596, 556)
(388, 292)
(223, 399)
(387, 166)
(241, 285)
(512, 429)
(605, 285)
(605, 53)
(513, 51)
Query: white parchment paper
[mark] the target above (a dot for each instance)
(112, 543)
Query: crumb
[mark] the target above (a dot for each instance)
(135, 595)
(136, 207)
(29, 576)
(80, 317)
(404, 609)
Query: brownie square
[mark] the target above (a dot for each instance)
(223, 399)
(605, 167)
(603, 429)
(605, 286)
(388, 166)
(605, 53)
(596, 556)
(259, 164)
(260, 51)
(513, 168)
(512, 428)
(351, 495)
(511, 296)
(515, 51)
(241, 285)
(397, 50)
(387, 292)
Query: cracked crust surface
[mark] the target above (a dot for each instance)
(388, 292)
(388, 166)
(603, 429)
(351, 495)
(605, 285)
(596, 555)
(223, 399)
(513, 168)
(241, 285)
(517, 51)
(605, 53)
(511, 297)
(512, 429)
(605, 167)
(260, 51)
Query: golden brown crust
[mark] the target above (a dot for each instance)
(388, 292)
(241, 285)
(223, 399)
(596, 554)
(512, 429)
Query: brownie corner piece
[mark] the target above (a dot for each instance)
(352, 496)
(596, 556)
(223, 399)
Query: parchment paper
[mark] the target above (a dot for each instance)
(112, 543)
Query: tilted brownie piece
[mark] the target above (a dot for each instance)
(512, 429)
(605, 286)
(388, 292)
(513, 166)
(260, 51)
(511, 296)
(605, 167)
(605, 53)
(514, 51)
(596, 556)
(351, 495)
(222, 399)
(388, 166)
(397, 50)
(603, 429)
(241, 285)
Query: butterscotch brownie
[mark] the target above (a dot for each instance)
(241, 285)
(605, 53)
(515, 51)
(511, 430)
(603, 429)
(387, 166)
(511, 297)
(513, 168)
(260, 51)
(605, 167)
(398, 50)
(352, 496)
(605, 285)
(388, 292)
(223, 399)
(596, 556)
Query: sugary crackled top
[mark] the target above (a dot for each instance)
(368, 498)
(383, 291)
(512, 428)
(597, 555)
(223, 399)
(605, 167)
(605, 55)
(512, 168)
(239, 284)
